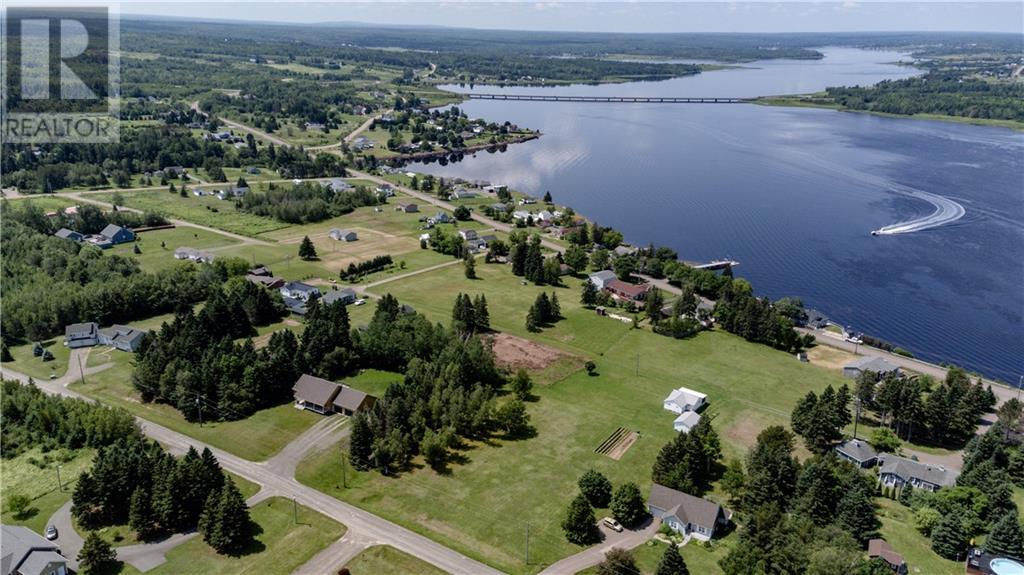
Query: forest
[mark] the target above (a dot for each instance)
(307, 202)
(949, 94)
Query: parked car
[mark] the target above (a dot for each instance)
(51, 533)
(360, 301)
(612, 524)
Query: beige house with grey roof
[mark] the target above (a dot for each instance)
(686, 514)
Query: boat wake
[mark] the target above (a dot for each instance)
(946, 211)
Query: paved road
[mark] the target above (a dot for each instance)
(68, 539)
(591, 556)
(358, 520)
(322, 435)
(333, 558)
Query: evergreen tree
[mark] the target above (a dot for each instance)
(905, 494)
(360, 442)
(575, 258)
(96, 555)
(671, 563)
(579, 524)
(618, 562)
(948, 537)
(1006, 537)
(772, 469)
(307, 250)
(481, 315)
(855, 512)
(653, 304)
(547, 197)
(596, 488)
(469, 266)
(628, 505)
(588, 297)
(5, 353)
(522, 385)
(226, 525)
(817, 491)
(555, 308)
(532, 321)
(140, 514)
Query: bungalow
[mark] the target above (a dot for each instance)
(499, 207)
(311, 126)
(627, 291)
(488, 238)
(343, 235)
(261, 271)
(407, 309)
(687, 515)
(294, 305)
(252, 170)
(880, 548)
(84, 334)
(544, 216)
(344, 295)
(123, 337)
(441, 218)
(338, 185)
(175, 171)
(66, 234)
(463, 194)
(300, 291)
(269, 282)
(117, 235)
(600, 279)
(386, 189)
(876, 365)
(326, 397)
(683, 399)
(815, 319)
(897, 471)
(468, 234)
(476, 245)
(686, 422)
(362, 143)
(527, 201)
(25, 552)
(232, 193)
(193, 254)
(620, 251)
(858, 452)
(408, 208)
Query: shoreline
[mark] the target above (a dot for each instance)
(416, 156)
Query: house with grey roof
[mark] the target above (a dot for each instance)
(686, 514)
(339, 185)
(25, 552)
(123, 337)
(199, 256)
(66, 234)
(686, 422)
(117, 235)
(876, 365)
(897, 471)
(602, 278)
(857, 452)
(344, 295)
(84, 334)
(468, 234)
(343, 235)
(408, 208)
(300, 291)
(269, 282)
(326, 397)
(441, 218)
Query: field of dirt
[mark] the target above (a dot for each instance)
(515, 352)
(622, 446)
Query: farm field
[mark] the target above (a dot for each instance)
(256, 437)
(748, 386)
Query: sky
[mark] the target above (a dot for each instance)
(758, 16)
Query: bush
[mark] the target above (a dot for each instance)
(884, 440)
(596, 488)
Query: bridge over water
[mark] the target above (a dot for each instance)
(608, 99)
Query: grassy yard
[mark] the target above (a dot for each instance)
(256, 437)
(198, 210)
(45, 202)
(698, 559)
(281, 546)
(157, 246)
(34, 474)
(385, 560)
(898, 529)
(749, 387)
(25, 362)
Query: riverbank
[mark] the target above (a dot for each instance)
(460, 151)
(819, 100)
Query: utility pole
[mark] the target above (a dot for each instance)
(295, 511)
(199, 405)
(344, 474)
(60, 483)
(81, 371)
(856, 419)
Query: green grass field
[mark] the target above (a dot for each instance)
(157, 246)
(25, 362)
(698, 559)
(34, 474)
(749, 387)
(45, 202)
(898, 529)
(281, 546)
(256, 437)
(198, 210)
(385, 560)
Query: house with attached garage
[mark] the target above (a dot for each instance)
(81, 334)
(343, 235)
(682, 400)
(408, 208)
(344, 295)
(300, 291)
(897, 471)
(686, 422)
(468, 234)
(876, 365)
(627, 291)
(123, 337)
(600, 279)
(687, 515)
(326, 397)
(857, 452)
(27, 553)
(269, 282)
(117, 235)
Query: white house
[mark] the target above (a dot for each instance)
(686, 422)
(600, 279)
(343, 235)
(299, 291)
(684, 399)
(468, 234)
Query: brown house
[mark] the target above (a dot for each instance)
(326, 397)
(881, 549)
(627, 291)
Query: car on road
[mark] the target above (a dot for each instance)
(51, 533)
(612, 524)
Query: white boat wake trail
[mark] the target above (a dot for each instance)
(946, 211)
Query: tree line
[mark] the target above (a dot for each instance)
(307, 202)
(357, 270)
(949, 93)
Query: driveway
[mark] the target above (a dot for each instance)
(68, 539)
(628, 539)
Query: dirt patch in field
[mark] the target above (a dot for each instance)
(515, 352)
(829, 357)
(623, 446)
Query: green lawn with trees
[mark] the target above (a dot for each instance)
(32, 477)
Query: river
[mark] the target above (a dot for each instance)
(793, 194)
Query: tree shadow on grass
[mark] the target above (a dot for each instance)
(251, 545)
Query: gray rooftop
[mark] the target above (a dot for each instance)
(906, 469)
(687, 508)
(871, 363)
(111, 230)
(606, 275)
(25, 551)
(80, 329)
(315, 390)
(857, 449)
(299, 286)
(334, 295)
(350, 398)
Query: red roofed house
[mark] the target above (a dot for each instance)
(627, 291)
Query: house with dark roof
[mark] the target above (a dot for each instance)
(626, 290)
(880, 549)
(123, 337)
(117, 235)
(468, 234)
(687, 515)
(344, 295)
(66, 234)
(897, 471)
(326, 397)
(343, 235)
(269, 282)
(857, 452)
(25, 552)
(876, 365)
(408, 208)
(81, 334)
(261, 271)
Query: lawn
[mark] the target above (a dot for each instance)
(529, 482)
(280, 547)
(385, 560)
(34, 474)
(198, 210)
(256, 437)
(157, 246)
(699, 560)
(25, 362)
(898, 529)
(45, 202)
